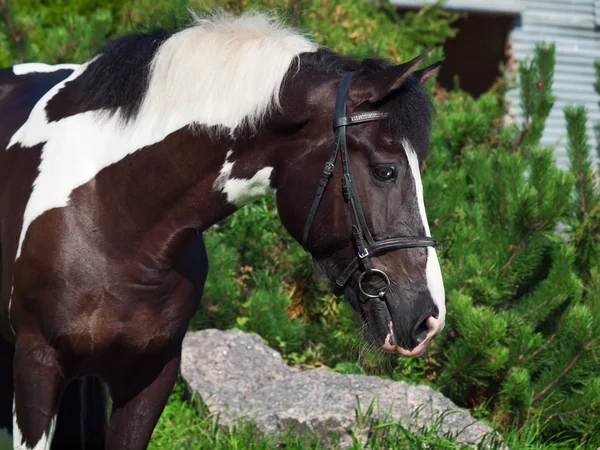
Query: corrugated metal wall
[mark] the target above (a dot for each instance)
(572, 26)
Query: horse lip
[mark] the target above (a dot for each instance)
(389, 345)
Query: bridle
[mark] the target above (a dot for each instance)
(360, 230)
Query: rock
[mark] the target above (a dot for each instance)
(238, 376)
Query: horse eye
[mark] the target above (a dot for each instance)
(384, 173)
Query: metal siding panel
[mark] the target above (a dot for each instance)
(549, 4)
(561, 19)
(577, 46)
(584, 6)
(575, 32)
(492, 6)
(572, 43)
(573, 25)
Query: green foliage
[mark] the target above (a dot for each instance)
(267, 311)
(536, 92)
(585, 205)
(521, 314)
(597, 88)
(54, 32)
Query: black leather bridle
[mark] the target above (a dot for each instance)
(360, 230)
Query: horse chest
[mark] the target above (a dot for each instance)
(99, 298)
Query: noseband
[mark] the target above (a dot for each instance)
(360, 230)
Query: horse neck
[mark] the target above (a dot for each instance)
(186, 183)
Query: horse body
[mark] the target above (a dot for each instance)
(93, 278)
(110, 171)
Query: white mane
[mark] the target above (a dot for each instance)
(222, 70)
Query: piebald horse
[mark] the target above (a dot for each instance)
(111, 170)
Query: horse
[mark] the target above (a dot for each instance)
(111, 170)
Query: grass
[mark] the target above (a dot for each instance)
(186, 423)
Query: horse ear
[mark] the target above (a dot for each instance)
(424, 75)
(378, 85)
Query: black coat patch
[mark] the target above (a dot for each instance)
(117, 79)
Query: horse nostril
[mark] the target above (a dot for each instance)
(420, 331)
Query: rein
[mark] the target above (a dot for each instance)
(360, 229)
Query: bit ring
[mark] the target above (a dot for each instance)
(381, 274)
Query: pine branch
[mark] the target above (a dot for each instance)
(597, 88)
(548, 341)
(525, 102)
(563, 373)
(578, 149)
(574, 411)
(438, 222)
(517, 250)
(539, 76)
(580, 178)
(295, 6)
(12, 32)
(501, 194)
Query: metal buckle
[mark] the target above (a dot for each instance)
(363, 255)
(382, 293)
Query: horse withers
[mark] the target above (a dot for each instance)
(111, 170)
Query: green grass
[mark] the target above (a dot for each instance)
(187, 424)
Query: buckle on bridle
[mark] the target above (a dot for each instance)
(363, 255)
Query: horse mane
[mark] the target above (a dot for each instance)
(222, 70)
(226, 72)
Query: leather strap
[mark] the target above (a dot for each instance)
(354, 119)
(340, 122)
(381, 247)
(360, 229)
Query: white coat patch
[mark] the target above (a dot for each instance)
(433, 271)
(241, 191)
(27, 68)
(44, 442)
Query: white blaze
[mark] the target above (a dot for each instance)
(433, 272)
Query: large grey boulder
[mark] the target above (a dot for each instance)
(238, 376)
